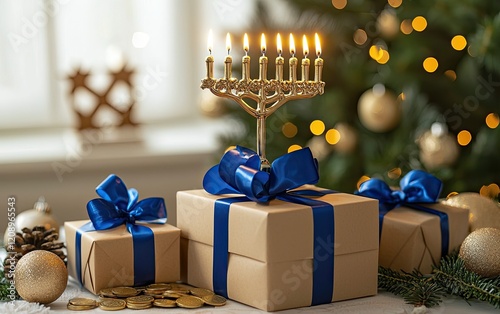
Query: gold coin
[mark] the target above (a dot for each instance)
(124, 291)
(82, 302)
(80, 307)
(139, 306)
(153, 292)
(201, 292)
(112, 304)
(180, 286)
(140, 299)
(189, 302)
(165, 303)
(159, 286)
(174, 295)
(107, 292)
(215, 300)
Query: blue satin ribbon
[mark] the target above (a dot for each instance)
(239, 173)
(416, 187)
(119, 206)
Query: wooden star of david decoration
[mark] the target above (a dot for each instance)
(79, 81)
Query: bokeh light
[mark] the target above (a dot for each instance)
(452, 75)
(294, 147)
(430, 64)
(339, 4)
(395, 3)
(289, 129)
(419, 23)
(492, 120)
(464, 138)
(360, 37)
(406, 27)
(361, 180)
(458, 42)
(332, 136)
(317, 127)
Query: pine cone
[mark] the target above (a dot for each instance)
(30, 240)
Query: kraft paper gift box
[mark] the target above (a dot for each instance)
(411, 239)
(107, 256)
(416, 230)
(270, 264)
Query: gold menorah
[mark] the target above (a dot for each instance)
(268, 94)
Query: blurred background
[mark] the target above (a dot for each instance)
(90, 88)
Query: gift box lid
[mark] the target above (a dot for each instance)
(280, 231)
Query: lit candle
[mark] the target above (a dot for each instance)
(305, 62)
(318, 63)
(245, 69)
(228, 61)
(263, 59)
(210, 58)
(279, 60)
(292, 61)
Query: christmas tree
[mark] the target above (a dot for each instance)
(409, 85)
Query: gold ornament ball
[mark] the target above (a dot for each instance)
(481, 253)
(437, 151)
(40, 276)
(379, 110)
(348, 138)
(483, 211)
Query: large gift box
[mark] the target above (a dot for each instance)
(271, 262)
(416, 230)
(106, 258)
(126, 242)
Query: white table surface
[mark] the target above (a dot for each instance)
(383, 303)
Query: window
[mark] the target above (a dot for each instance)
(45, 41)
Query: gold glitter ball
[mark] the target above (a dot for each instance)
(481, 253)
(483, 211)
(41, 276)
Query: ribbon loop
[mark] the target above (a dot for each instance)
(239, 173)
(416, 187)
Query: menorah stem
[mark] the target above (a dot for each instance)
(261, 142)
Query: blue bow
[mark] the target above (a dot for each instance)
(239, 173)
(119, 206)
(416, 187)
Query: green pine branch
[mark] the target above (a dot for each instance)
(451, 277)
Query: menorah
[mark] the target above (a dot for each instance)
(269, 95)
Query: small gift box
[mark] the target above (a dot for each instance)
(126, 243)
(275, 248)
(415, 230)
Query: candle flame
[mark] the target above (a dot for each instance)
(318, 45)
(210, 41)
(228, 43)
(292, 45)
(305, 46)
(280, 47)
(246, 46)
(263, 43)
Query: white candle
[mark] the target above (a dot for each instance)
(305, 62)
(245, 69)
(263, 59)
(228, 62)
(279, 60)
(318, 63)
(292, 61)
(210, 58)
